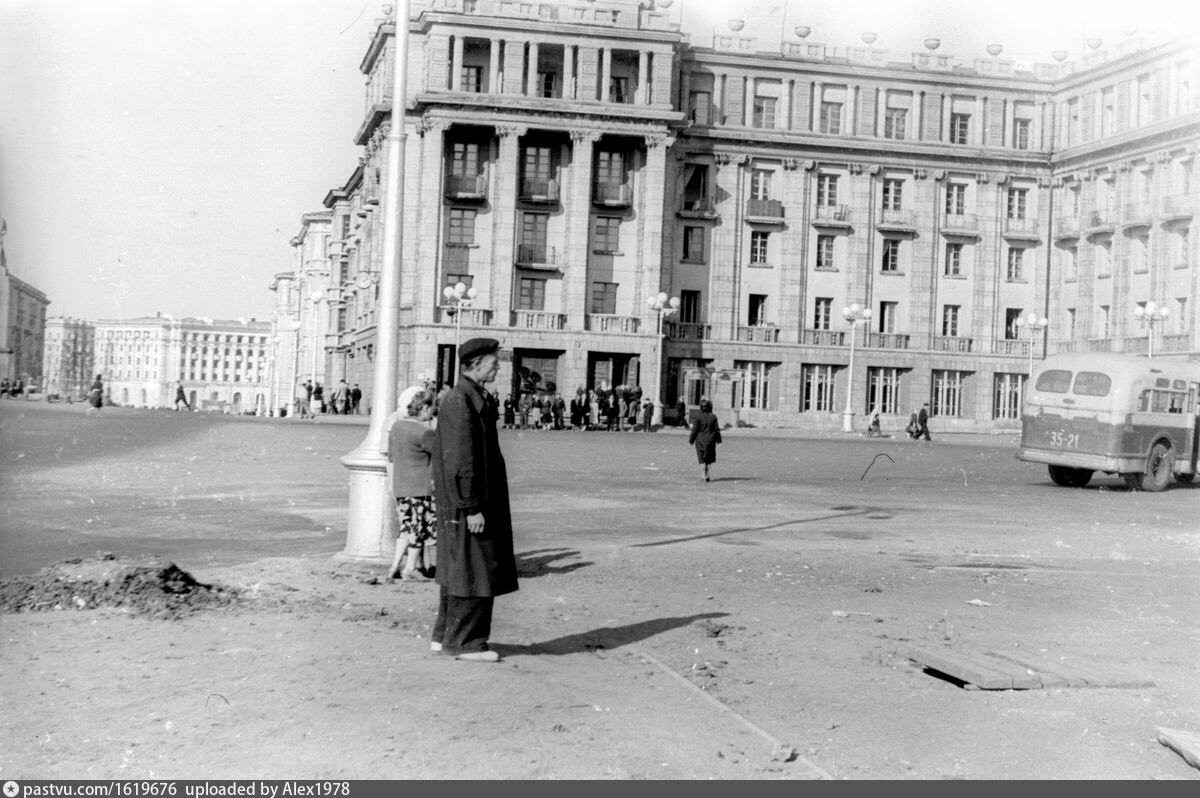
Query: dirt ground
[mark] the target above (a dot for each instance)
(754, 628)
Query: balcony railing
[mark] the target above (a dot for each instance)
(1099, 222)
(538, 320)
(905, 221)
(953, 343)
(764, 209)
(824, 337)
(1177, 206)
(1066, 346)
(537, 256)
(539, 190)
(1136, 214)
(698, 208)
(1066, 227)
(466, 187)
(471, 317)
(611, 323)
(963, 224)
(832, 216)
(614, 195)
(759, 335)
(1007, 346)
(688, 330)
(887, 340)
(1021, 228)
(1099, 345)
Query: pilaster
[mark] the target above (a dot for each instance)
(578, 222)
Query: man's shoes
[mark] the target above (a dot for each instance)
(435, 646)
(478, 656)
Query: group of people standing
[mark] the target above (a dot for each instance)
(616, 409)
(12, 388)
(310, 399)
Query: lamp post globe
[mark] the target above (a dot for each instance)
(663, 305)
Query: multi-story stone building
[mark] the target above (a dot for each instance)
(571, 161)
(22, 324)
(223, 364)
(69, 357)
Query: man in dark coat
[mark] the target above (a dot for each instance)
(475, 559)
(923, 423)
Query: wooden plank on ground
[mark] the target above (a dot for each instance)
(1051, 673)
(971, 670)
(1184, 743)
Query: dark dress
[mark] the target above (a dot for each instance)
(469, 476)
(96, 396)
(706, 434)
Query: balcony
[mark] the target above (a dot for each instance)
(823, 337)
(543, 192)
(537, 256)
(1023, 229)
(897, 221)
(960, 224)
(953, 343)
(1135, 215)
(538, 320)
(764, 211)
(1066, 228)
(611, 323)
(612, 195)
(887, 340)
(832, 216)
(1177, 208)
(767, 334)
(688, 331)
(471, 317)
(1099, 345)
(1010, 347)
(698, 208)
(466, 187)
(1099, 223)
(1180, 342)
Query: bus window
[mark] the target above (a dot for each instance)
(1092, 383)
(1054, 381)
(1176, 403)
(1143, 401)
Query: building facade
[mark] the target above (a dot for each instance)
(22, 329)
(572, 161)
(69, 357)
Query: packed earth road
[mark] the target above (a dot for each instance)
(775, 623)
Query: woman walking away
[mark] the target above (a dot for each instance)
(96, 395)
(410, 451)
(706, 436)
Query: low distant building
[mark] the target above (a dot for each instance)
(68, 357)
(222, 364)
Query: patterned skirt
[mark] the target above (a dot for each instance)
(418, 519)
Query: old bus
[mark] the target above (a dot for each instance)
(1119, 414)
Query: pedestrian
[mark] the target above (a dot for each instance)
(410, 454)
(180, 396)
(318, 399)
(706, 435)
(96, 396)
(476, 562)
(873, 425)
(647, 415)
(355, 398)
(923, 423)
(341, 397)
(510, 413)
(303, 392)
(681, 413)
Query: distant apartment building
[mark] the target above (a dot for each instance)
(69, 357)
(223, 364)
(22, 326)
(570, 161)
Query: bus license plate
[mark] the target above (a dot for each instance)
(1063, 440)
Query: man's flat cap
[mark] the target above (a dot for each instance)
(477, 346)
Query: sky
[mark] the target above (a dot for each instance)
(157, 155)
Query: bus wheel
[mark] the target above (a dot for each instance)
(1062, 476)
(1160, 467)
(1184, 479)
(1081, 477)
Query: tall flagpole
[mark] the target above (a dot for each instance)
(370, 522)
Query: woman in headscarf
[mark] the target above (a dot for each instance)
(410, 452)
(706, 436)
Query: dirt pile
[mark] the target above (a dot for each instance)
(145, 586)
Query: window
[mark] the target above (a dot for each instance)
(531, 294)
(947, 393)
(950, 320)
(1070, 257)
(757, 315)
(1108, 111)
(1016, 261)
(689, 307)
(460, 227)
(546, 84)
(472, 79)
(607, 235)
(454, 279)
(1102, 253)
(695, 187)
(464, 159)
(893, 192)
(822, 313)
(1139, 246)
(825, 253)
(1011, 317)
(693, 245)
(610, 168)
(760, 184)
(1103, 321)
(764, 112)
(618, 89)
(954, 255)
(956, 199)
(759, 241)
(533, 229)
(827, 194)
(1018, 200)
(888, 315)
(1006, 396)
(831, 117)
(818, 388)
(1073, 131)
(890, 262)
(757, 386)
(537, 164)
(895, 123)
(604, 298)
(883, 389)
(1021, 134)
(699, 107)
(960, 128)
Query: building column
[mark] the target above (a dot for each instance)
(568, 90)
(494, 85)
(606, 75)
(947, 104)
(785, 106)
(456, 64)
(643, 88)
(1007, 109)
(652, 279)
(685, 95)
(851, 110)
(531, 79)
(577, 209)
(977, 135)
(505, 223)
(880, 112)
(422, 291)
(918, 116)
(814, 122)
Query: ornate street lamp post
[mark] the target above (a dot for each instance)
(854, 316)
(1034, 325)
(663, 306)
(1149, 315)
(458, 298)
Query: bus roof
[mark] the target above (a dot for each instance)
(1121, 365)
